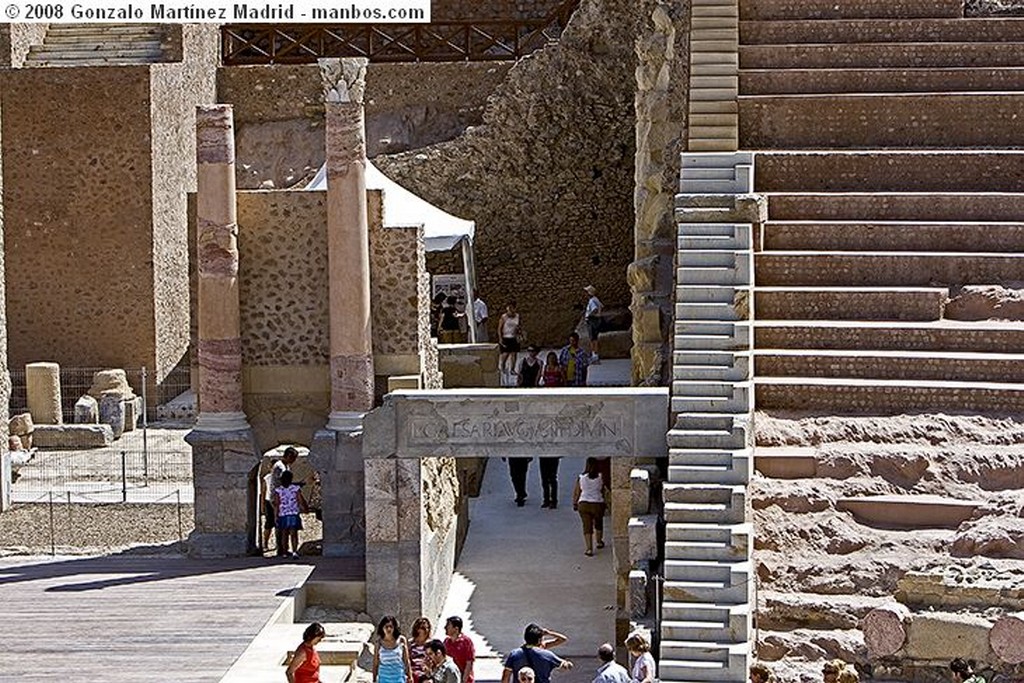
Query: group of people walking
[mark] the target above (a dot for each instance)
(422, 659)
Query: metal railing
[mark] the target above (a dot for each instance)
(451, 41)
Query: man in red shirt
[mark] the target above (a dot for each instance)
(459, 647)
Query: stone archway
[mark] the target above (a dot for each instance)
(408, 562)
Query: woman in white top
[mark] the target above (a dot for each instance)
(510, 332)
(644, 670)
(588, 500)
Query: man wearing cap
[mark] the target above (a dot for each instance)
(592, 314)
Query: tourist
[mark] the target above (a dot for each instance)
(553, 375)
(530, 368)
(449, 331)
(419, 663)
(391, 659)
(549, 481)
(460, 647)
(288, 505)
(532, 655)
(849, 675)
(574, 361)
(304, 666)
(592, 316)
(518, 471)
(270, 482)
(443, 668)
(760, 673)
(963, 671)
(644, 670)
(588, 500)
(526, 675)
(510, 329)
(480, 318)
(435, 313)
(610, 671)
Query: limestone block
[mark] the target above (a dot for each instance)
(637, 594)
(112, 411)
(71, 437)
(642, 275)
(647, 324)
(396, 382)
(616, 344)
(885, 629)
(648, 361)
(87, 410)
(132, 413)
(1007, 638)
(21, 425)
(110, 380)
(640, 489)
(42, 385)
(933, 636)
(643, 539)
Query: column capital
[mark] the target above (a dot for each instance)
(343, 80)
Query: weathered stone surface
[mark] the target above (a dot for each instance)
(469, 365)
(87, 410)
(933, 636)
(991, 537)
(22, 424)
(791, 610)
(42, 387)
(69, 437)
(643, 539)
(637, 594)
(132, 413)
(885, 629)
(986, 302)
(111, 412)
(1007, 638)
(616, 344)
(640, 491)
(110, 380)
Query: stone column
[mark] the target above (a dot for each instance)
(220, 346)
(348, 252)
(337, 450)
(42, 389)
(224, 454)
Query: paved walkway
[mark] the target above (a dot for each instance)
(527, 564)
(124, 618)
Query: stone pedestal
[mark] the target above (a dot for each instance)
(42, 386)
(224, 468)
(112, 412)
(338, 456)
(87, 410)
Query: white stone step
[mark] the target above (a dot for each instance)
(729, 652)
(723, 457)
(730, 585)
(706, 294)
(711, 336)
(686, 229)
(703, 493)
(735, 270)
(687, 622)
(719, 366)
(684, 388)
(711, 311)
(712, 397)
(709, 431)
(735, 471)
(707, 258)
(708, 173)
(729, 667)
(715, 159)
(729, 508)
(724, 543)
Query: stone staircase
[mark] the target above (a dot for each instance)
(99, 44)
(887, 140)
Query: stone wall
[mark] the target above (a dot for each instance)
(548, 175)
(16, 39)
(662, 80)
(78, 214)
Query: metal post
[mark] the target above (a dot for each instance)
(145, 435)
(124, 477)
(177, 492)
(53, 540)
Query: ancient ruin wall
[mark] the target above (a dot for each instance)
(662, 79)
(176, 89)
(79, 210)
(16, 39)
(548, 176)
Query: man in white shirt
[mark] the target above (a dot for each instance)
(480, 318)
(610, 671)
(592, 315)
(271, 481)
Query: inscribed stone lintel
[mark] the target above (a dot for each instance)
(476, 422)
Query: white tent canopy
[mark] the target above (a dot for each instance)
(441, 230)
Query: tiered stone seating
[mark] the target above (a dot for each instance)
(890, 132)
(97, 44)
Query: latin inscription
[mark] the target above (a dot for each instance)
(524, 429)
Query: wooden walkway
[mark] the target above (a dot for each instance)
(139, 618)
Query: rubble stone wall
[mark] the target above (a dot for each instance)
(16, 39)
(548, 175)
(78, 216)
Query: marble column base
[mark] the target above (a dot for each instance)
(219, 423)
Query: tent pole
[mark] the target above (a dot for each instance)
(469, 269)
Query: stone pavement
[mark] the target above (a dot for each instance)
(527, 564)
